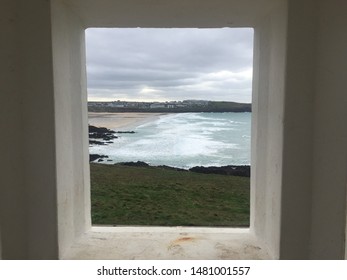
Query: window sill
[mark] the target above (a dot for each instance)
(125, 243)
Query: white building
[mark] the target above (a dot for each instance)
(157, 105)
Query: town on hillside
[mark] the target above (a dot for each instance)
(169, 106)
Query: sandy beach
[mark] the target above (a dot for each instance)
(123, 121)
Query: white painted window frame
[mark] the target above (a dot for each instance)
(71, 111)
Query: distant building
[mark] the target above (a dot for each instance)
(157, 105)
(118, 104)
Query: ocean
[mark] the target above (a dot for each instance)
(185, 140)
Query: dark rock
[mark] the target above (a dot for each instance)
(132, 163)
(231, 170)
(94, 142)
(104, 136)
(94, 157)
(125, 131)
(101, 133)
(94, 129)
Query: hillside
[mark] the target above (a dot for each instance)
(169, 107)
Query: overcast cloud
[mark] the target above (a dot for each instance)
(169, 64)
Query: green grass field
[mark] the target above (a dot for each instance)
(124, 195)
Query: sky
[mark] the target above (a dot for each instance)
(143, 64)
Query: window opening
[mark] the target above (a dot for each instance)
(169, 117)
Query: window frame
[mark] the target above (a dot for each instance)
(73, 181)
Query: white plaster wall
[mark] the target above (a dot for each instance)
(297, 146)
(45, 158)
(259, 136)
(71, 123)
(178, 13)
(267, 122)
(11, 179)
(330, 133)
(28, 194)
(270, 19)
(39, 157)
(301, 186)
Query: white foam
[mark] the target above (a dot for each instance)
(184, 140)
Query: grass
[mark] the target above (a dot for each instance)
(125, 195)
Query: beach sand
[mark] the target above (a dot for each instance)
(123, 121)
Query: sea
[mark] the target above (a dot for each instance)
(185, 140)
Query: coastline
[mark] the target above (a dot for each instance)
(124, 121)
(128, 127)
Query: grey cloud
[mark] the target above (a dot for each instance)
(173, 62)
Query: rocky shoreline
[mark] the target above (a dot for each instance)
(103, 135)
(229, 170)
